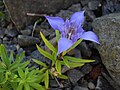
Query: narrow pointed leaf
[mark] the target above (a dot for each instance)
(17, 61)
(21, 73)
(78, 59)
(76, 44)
(27, 86)
(62, 76)
(39, 62)
(72, 47)
(37, 86)
(54, 56)
(46, 54)
(58, 66)
(4, 55)
(65, 60)
(48, 44)
(74, 65)
(11, 56)
(21, 65)
(47, 79)
(20, 87)
(24, 64)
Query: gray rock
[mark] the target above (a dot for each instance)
(55, 89)
(11, 47)
(36, 55)
(108, 7)
(94, 4)
(45, 32)
(86, 68)
(2, 32)
(117, 7)
(24, 40)
(89, 14)
(107, 29)
(26, 32)
(85, 50)
(53, 83)
(91, 86)
(19, 9)
(20, 50)
(67, 13)
(80, 88)
(11, 33)
(110, 81)
(102, 84)
(111, 6)
(74, 75)
(75, 8)
(84, 2)
(64, 14)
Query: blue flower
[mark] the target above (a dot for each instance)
(71, 30)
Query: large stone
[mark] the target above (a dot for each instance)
(18, 9)
(108, 30)
(26, 41)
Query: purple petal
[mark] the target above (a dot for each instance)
(77, 18)
(64, 44)
(80, 29)
(55, 22)
(66, 26)
(91, 36)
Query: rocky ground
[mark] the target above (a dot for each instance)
(92, 76)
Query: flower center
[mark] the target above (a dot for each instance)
(70, 33)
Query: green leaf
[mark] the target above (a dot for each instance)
(4, 56)
(27, 86)
(48, 44)
(62, 76)
(65, 60)
(2, 65)
(74, 65)
(21, 73)
(20, 87)
(55, 57)
(78, 42)
(27, 71)
(37, 86)
(40, 78)
(58, 66)
(73, 59)
(40, 63)
(46, 78)
(11, 56)
(3, 82)
(57, 35)
(24, 64)
(46, 54)
(17, 61)
(2, 69)
(14, 85)
(42, 70)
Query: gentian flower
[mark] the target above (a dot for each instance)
(71, 30)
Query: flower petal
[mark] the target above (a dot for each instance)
(64, 44)
(91, 36)
(80, 29)
(77, 18)
(56, 23)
